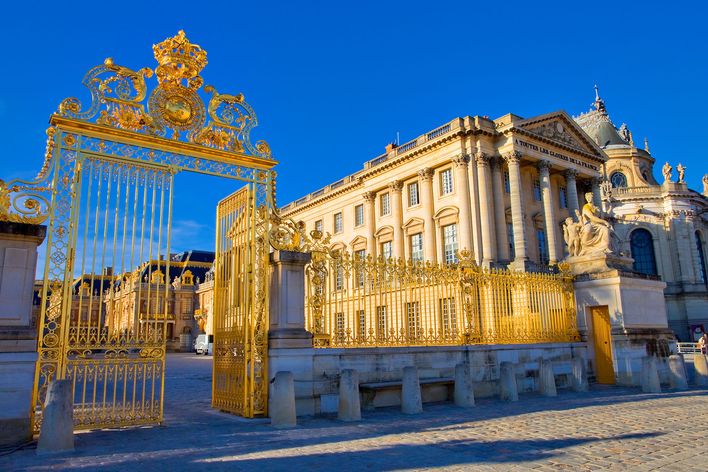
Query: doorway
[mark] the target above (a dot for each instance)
(602, 342)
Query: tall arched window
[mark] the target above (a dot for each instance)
(642, 246)
(701, 256)
(618, 180)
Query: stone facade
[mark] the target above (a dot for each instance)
(662, 225)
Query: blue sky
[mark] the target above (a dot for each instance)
(333, 82)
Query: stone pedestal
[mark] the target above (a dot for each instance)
(18, 328)
(637, 312)
(289, 343)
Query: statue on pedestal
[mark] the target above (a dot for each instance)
(681, 172)
(667, 170)
(594, 231)
(705, 185)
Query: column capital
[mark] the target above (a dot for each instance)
(496, 161)
(544, 165)
(571, 174)
(396, 186)
(461, 161)
(426, 174)
(369, 197)
(513, 157)
(482, 158)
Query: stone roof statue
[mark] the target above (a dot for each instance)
(681, 172)
(705, 185)
(667, 170)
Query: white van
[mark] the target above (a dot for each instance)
(201, 344)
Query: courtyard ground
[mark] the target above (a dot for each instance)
(604, 429)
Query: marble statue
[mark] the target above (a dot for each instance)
(681, 172)
(591, 234)
(571, 234)
(667, 170)
(705, 184)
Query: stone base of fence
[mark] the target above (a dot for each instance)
(317, 371)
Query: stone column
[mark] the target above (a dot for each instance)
(397, 212)
(18, 328)
(485, 198)
(571, 189)
(370, 209)
(427, 199)
(287, 300)
(476, 226)
(513, 160)
(499, 211)
(549, 211)
(596, 193)
(463, 201)
(290, 347)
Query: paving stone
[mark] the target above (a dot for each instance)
(603, 429)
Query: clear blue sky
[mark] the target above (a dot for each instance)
(332, 82)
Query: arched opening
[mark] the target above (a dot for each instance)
(618, 180)
(701, 256)
(642, 246)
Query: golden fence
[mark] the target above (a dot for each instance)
(357, 302)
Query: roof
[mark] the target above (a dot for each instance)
(598, 125)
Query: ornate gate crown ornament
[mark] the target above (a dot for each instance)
(174, 108)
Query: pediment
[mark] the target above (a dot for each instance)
(560, 128)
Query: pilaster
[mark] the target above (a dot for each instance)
(499, 213)
(396, 188)
(544, 168)
(485, 196)
(370, 211)
(464, 204)
(513, 160)
(427, 200)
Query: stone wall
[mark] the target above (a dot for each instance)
(317, 371)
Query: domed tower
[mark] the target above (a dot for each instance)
(628, 165)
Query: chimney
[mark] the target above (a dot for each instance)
(390, 147)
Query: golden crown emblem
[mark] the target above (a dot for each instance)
(179, 59)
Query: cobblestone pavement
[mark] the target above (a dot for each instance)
(605, 429)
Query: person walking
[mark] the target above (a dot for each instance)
(703, 343)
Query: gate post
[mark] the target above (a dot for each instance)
(18, 328)
(289, 343)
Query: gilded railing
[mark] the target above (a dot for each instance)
(355, 302)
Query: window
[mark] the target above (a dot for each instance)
(339, 282)
(340, 326)
(413, 318)
(563, 197)
(362, 324)
(413, 195)
(187, 305)
(642, 247)
(338, 227)
(701, 256)
(385, 204)
(446, 187)
(618, 180)
(510, 237)
(360, 255)
(387, 250)
(507, 182)
(537, 190)
(358, 215)
(319, 226)
(450, 243)
(417, 247)
(542, 246)
(381, 321)
(448, 316)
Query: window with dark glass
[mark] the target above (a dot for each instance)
(542, 246)
(642, 247)
(618, 179)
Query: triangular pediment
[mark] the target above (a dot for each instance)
(560, 128)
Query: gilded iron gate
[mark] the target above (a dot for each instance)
(240, 380)
(106, 187)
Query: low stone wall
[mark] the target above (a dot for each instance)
(316, 371)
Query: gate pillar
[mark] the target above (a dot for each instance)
(289, 343)
(18, 328)
(287, 301)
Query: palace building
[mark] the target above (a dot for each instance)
(503, 188)
(149, 295)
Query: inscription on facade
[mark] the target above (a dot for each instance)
(555, 154)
